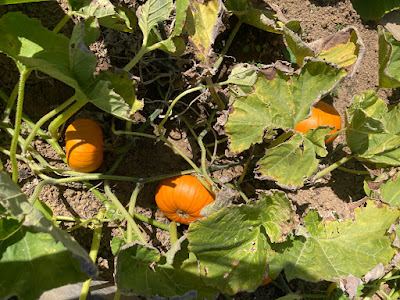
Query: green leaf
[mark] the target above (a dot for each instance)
(279, 101)
(328, 250)
(263, 18)
(390, 190)
(242, 79)
(44, 208)
(371, 143)
(108, 15)
(70, 61)
(35, 262)
(8, 226)
(297, 47)
(203, 21)
(373, 10)
(232, 244)
(289, 163)
(116, 244)
(151, 13)
(37, 249)
(317, 137)
(389, 60)
(152, 275)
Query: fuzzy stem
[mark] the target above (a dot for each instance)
(333, 167)
(124, 212)
(63, 117)
(44, 119)
(63, 21)
(132, 204)
(136, 59)
(203, 156)
(228, 43)
(173, 233)
(240, 180)
(94, 250)
(14, 142)
(214, 94)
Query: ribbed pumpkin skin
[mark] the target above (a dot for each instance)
(184, 193)
(84, 143)
(322, 114)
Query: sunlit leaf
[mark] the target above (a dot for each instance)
(234, 257)
(151, 13)
(153, 275)
(279, 101)
(389, 60)
(327, 250)
(289, 163)
(390, 190)
(108, 14)
(203, 21)
(374, 132)
(38, 250)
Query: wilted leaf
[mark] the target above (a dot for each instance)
(38, 250)
(390, 190)
(108, 14)
(234, 256)
(180, 19)
(203, 21)
(373, 10)
(152, 275)
(389, 60)
(289, 163)
(264, 17)
(328, 250)
(366, 136)
(7, 2)
(279, 101)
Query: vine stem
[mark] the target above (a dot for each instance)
(333, 167)
(173, 233)
(192, 90)
(44, 119)
(13, 96)
(14, 142)
(124, 212)
(63, 117)
(132, 204)
(203, 156)
(94, 250)
(143, 50)
(228, 43)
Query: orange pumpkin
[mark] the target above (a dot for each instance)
(322, 114)
(266, 281)
(84, 143)
(182, 198)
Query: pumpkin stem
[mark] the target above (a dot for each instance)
(173, 233)
(333, 167)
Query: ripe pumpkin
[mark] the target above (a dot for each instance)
(84, 143)
(322, 114)
(182, 198)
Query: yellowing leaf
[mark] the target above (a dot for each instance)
(203, 21)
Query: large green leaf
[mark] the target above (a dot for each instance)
(203, 21)
(31, 263)
(70, 61)
(289, 163)
(372, 9)
(108, 14)
(327, 250)
(279, 101)
(232, 244)
(374, 131)
(151, 13)
(36, 247)
(142, 270)
(389, 60)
